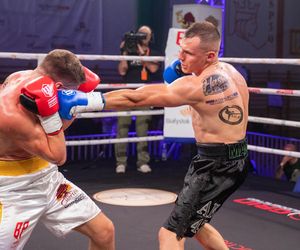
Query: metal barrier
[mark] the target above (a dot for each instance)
(265, 164)
(106, 151)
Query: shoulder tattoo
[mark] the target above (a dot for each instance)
(215, 84)
(231, 115)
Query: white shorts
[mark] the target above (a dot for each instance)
(34, 190)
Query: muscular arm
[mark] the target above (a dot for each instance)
(33, 140)
(158, 95)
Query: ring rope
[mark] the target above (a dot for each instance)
(254, 119)
(120, 113)
(273, 151)
(160, 137)
(38, 56)
(120, 85)
(268, 91)
(285, 92)
(111, 141)
(273, 121)
(28, 56)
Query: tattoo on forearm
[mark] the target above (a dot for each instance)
(231, 115)
(221, 100)
(215, 84)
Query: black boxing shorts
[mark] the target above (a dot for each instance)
(213, 175)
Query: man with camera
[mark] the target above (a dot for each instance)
(135, 71)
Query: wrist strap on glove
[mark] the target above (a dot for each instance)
(51, 124)
(96, 102)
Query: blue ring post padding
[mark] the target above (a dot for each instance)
(297, 186)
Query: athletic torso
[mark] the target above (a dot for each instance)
(222, 114)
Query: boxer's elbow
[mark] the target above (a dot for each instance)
(61, 162)
(54, 157)
(59, 157)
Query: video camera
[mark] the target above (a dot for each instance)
(131, 40)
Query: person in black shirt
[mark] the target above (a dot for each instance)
(136, 71)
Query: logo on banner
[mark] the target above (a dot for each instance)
(184, 20)
(291, 213)
(248, 18)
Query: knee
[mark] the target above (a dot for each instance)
(165, 235)
(105, 236)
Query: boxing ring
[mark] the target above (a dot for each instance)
(263, 120)
(258, 204)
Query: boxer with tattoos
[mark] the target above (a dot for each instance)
(218, 96)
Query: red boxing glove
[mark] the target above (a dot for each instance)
(40, 97)
(91, 82)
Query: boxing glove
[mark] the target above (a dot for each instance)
(91, 82)
(72, 102)
(173, 72)
(40, 97)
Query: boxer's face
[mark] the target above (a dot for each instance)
(193, 56)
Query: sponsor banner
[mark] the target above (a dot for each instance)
(177, 120)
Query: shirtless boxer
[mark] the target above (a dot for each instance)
(218, 97)
(32, 146)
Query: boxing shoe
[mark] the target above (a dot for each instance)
(145, 168)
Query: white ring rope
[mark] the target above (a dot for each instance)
(273, 151)
(120, 113)
(160, 137)
(285, 92)
(261, 60)
(254, 119)
(273, 121)
(267, 91)
(37, 56)
(120, 85)
(111, 141)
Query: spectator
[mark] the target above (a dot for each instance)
(289, 165)
(135, 71)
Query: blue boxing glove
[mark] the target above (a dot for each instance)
(173, 72)
(73, 102)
